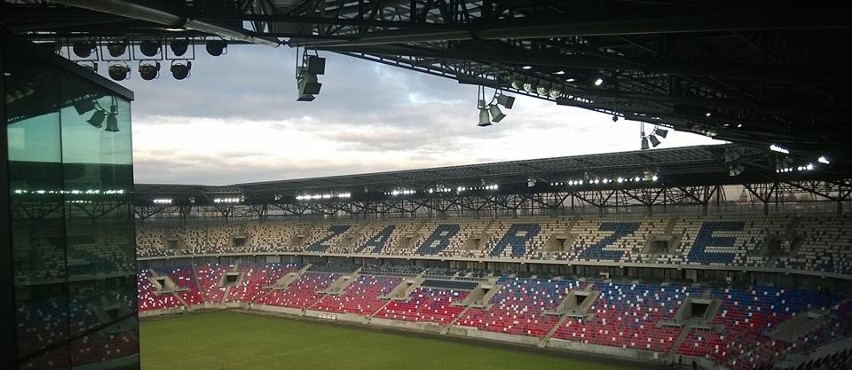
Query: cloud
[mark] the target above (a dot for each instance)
(236, 120)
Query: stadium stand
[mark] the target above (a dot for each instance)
(302, 293)
(254, 278)
(426, 305)
(519, 307)
(753, 326)
(825, 245)
(360, 297)
(817, 243)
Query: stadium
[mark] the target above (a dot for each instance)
(730, 256)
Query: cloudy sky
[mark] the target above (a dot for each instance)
(236, 120)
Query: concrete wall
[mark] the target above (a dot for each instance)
(605, 350)
(337, 316)
(287, 310)
(408, 325)
(464, 331)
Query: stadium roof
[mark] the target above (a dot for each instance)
(750, 72)
(689, 166)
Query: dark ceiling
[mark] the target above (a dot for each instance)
(751, 72)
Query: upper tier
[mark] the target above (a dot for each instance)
(819, 243)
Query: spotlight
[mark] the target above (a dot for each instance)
(216, 47)
(117, 48)
(484, 119)
(555, 93)
(149, 48)
(528, 87)
(149, 71)
(598, 82)
(97, 119)
(83, 49)
(654, 141)
(84, 106)
(517, 84)
(735, 169)
(119, 72)
(541, 90)
(180, 71)
(112, 123)
(179, 47)
(90, 65)
(496, 114)
(823, 160)
(645, 143)
(506, 101)
(661, 132)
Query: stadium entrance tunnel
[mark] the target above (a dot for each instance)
(697, 311)
(576, 303)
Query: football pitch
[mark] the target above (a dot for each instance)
(232, 340)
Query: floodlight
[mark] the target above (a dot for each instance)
(316, 65)
(484, 119)
(506, 101)
(305, 97)
(119, 71)
(179, 47)
(84, 106)
(149, 71)
(823, 160)
(149, 48)
(496, 114)
(654, 141)
(309, 84)
(180, 70)
(112, 123)
(645, 143)
(216, 47)
(599, 82)
(97, 119)
(661, 132)
(541, 90)
(117, 48)
(779, 149)
(83, 49)
(528, 87)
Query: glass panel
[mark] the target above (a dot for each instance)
(99, 225)
(70, 171)
(38, 232)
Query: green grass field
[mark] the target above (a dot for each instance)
(232, 340)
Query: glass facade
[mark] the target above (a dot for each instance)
(68, 230)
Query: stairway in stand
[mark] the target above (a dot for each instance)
(543, 342)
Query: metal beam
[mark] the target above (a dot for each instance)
(603, 27)
(149, 14)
